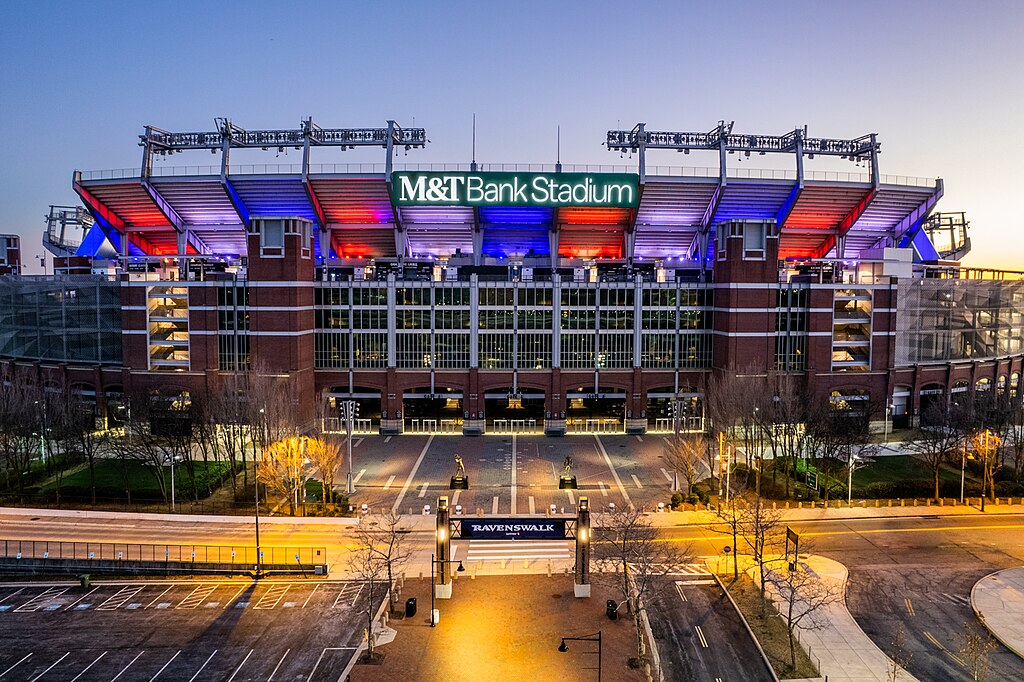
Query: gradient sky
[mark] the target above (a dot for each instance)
(941, 82)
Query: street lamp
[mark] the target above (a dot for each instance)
(348, 413)
(434, 562)
(849, 480)
(563, 647)
(963, 470)
(171, 459)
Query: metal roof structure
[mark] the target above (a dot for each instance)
(159, 210)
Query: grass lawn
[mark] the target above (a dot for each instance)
(770, 630)
(899, 468)
(112, 476)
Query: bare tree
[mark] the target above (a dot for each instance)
(1013, 440)
(936, 443)
(626, 541)
(18, 401)
(783, 410)
(383, 536)
(683, 453)
(900, 656)
(801, 595)
(762, 531)
(985, 445)
(975, 647)
(368, 564)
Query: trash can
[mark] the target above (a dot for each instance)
(612, 609)
(410, 607)
(84, 580)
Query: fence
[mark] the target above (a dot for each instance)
(200, 554)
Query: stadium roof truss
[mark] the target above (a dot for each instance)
(176, 210)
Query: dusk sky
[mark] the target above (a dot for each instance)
(942, 83)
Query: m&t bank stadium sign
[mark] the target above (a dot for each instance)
(612, 190)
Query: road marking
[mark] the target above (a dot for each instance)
(533, 508)
(120, 598)
(240, 665)
(349, 590)
(639, 439)
(494, 505)
(637, 481)
(908, 530)
(164, 667)
(910, 606)
(455, 498)
(358, 476)
(412, 474)
(514, 475)
(37, 602)
(72, 604)
(51, 667)
(391, 480)
(158, 596)
(700, 634)
(129, 665)
(13, 594)
(356, 442)
(330, 648)
(572, 498)
(86, 669)
(281, 661)
(604, 491)
(275, 594)
(192, 679)
(957, 599)
(196, 597)
(511, 550)
(15, 665)
(386, 440)
(311, 595)
(611, 467)
(666, 475)
(679, 590)
(235, 596)
(931, 638)
(423, 489)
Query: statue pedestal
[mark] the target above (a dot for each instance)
(567, 482)
(445, 591)
(459, 483)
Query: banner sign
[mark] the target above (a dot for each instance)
(513, 529)
(609, 190)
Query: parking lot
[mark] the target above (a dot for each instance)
(183, 630)
(510, 474)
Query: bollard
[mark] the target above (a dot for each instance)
(903, 502)
(800, 505)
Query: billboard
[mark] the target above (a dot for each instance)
(456, 188)
(513, 529)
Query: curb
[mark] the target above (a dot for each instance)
(981, 616)
(764, 656)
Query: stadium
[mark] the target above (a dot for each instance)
(495, 298)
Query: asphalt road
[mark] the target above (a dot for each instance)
(699, 634)
(184, 630)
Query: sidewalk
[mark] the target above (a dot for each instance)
(998, 599)
(835, 640)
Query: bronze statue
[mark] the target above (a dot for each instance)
(460, 469)
(568, 463)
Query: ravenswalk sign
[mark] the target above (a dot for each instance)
(513, 529)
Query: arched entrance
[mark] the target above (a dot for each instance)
(510, 411)
(931, 394)
(900, 407)
(603, 411)
(437, 410)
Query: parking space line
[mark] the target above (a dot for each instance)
(533, 509)
(572, 498)
(192, 679)
(196, 597)
(159, 595)
(13, 594)
(275, 593)
(86, 668)
(15, 665)
(74, 603)
(358, 476)
(269, 679)
(455, 498)
(423, 489)
(412, 474)
(240, 665)
(164, 666)
(349, 590)
(494, 505)
(66, 654)
(119, 599)
(391, 479)
(235, 595)
(666, 474)
(311, 595)
(129, 665)
(639, 439)
(604, 491)
(637, 481)
(330, 648)
(611, 467)
(388, 439)
(36, 602)
(679, 589)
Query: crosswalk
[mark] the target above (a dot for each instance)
(513, 550)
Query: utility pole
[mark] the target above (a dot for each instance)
(348, 413)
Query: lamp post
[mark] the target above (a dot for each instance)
(963, 470)
(434, 562)
(348, 413)
(563, 647)
(849, 480)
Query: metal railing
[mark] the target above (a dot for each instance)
(199, 554)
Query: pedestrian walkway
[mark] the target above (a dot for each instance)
(998, 599)
(835, 640)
